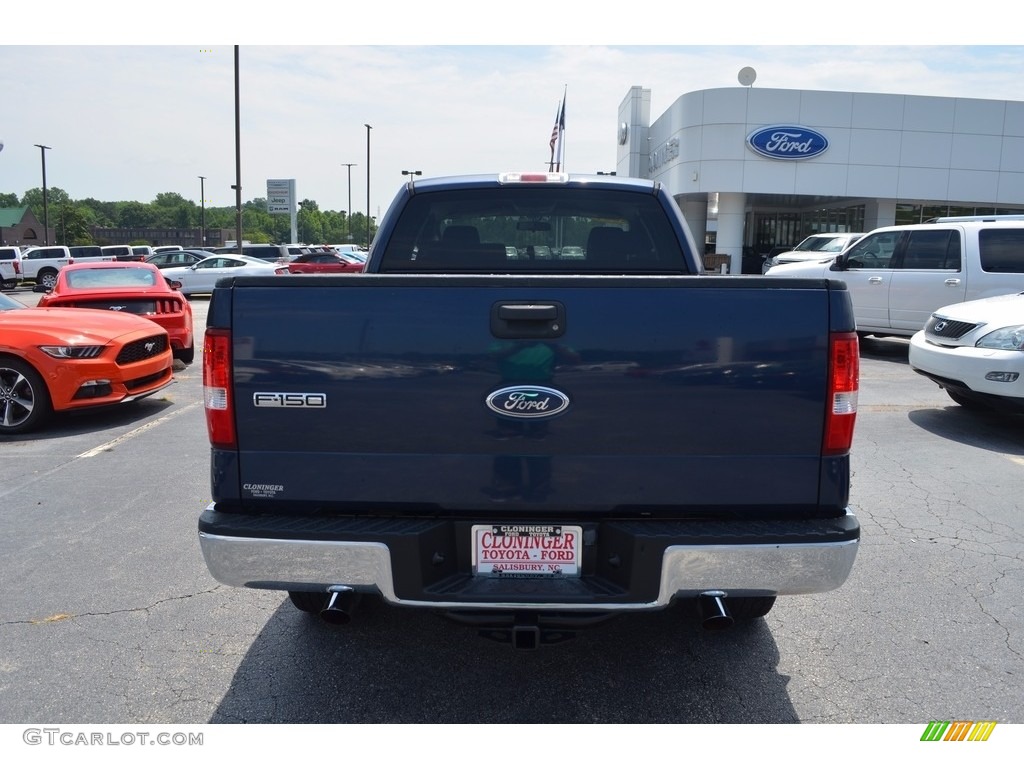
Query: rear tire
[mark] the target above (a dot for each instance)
(47, 278)
(10, 285)
(24, 400)
(746, 608)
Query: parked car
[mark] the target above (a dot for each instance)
(165, 248)
(974, 350)
(202, 276)
(141, 252)
(89, 253)
(70, 359)
(178, 258)
(898, 276)
(350, 249)
(321, 263)
(10, 267)
(40, 264)
(120, 252)
(814, 247)
(128, 287)
(263, 251)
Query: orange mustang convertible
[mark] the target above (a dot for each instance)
(64, 359)
(130, 287)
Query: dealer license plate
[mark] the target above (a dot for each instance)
(527, 550)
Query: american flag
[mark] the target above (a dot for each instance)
(557, 132)
(554, 131)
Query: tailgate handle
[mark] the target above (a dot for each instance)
(527, 312)
(527, 319)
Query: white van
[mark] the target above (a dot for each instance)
(898, 276)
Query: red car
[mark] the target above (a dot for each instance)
(130, 287)
(321, 263)
(70, 359)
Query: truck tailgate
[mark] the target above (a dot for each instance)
(372, 391)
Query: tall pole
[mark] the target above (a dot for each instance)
(202, 203)
(46, 213)
(238, 165)
(368, 127)
(349, 215)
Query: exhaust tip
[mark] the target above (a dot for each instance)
(714, 614)
(340, 607)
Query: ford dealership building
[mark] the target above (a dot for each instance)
(756, 168)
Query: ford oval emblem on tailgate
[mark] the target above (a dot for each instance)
(526, 402)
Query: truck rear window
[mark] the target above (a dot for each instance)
(531, 230)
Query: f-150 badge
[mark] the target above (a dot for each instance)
(527, 402)
(289, 399)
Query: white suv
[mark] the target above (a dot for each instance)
(814, 247)
(898, 276)
(975, 352)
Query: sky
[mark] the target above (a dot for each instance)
(448, 87)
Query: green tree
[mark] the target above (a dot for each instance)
(102, 214)
(309, 222)
(170, 200)
(73, 225)
(33, 198)
(9, 200)
(186, 215)
(132, 214)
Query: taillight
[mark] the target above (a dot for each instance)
(220, 410)
(843, 385)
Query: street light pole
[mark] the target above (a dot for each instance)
(202, 203)
(237, 186)
(348, 222)
(368, 127)
(46, 213)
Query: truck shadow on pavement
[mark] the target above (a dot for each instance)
(395, 665)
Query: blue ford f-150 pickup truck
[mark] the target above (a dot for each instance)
(532, 412)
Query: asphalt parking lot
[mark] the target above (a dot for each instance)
(109, 615)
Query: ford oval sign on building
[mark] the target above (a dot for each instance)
(527, 402)
(787, 142)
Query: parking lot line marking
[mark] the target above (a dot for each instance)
(137, 431)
